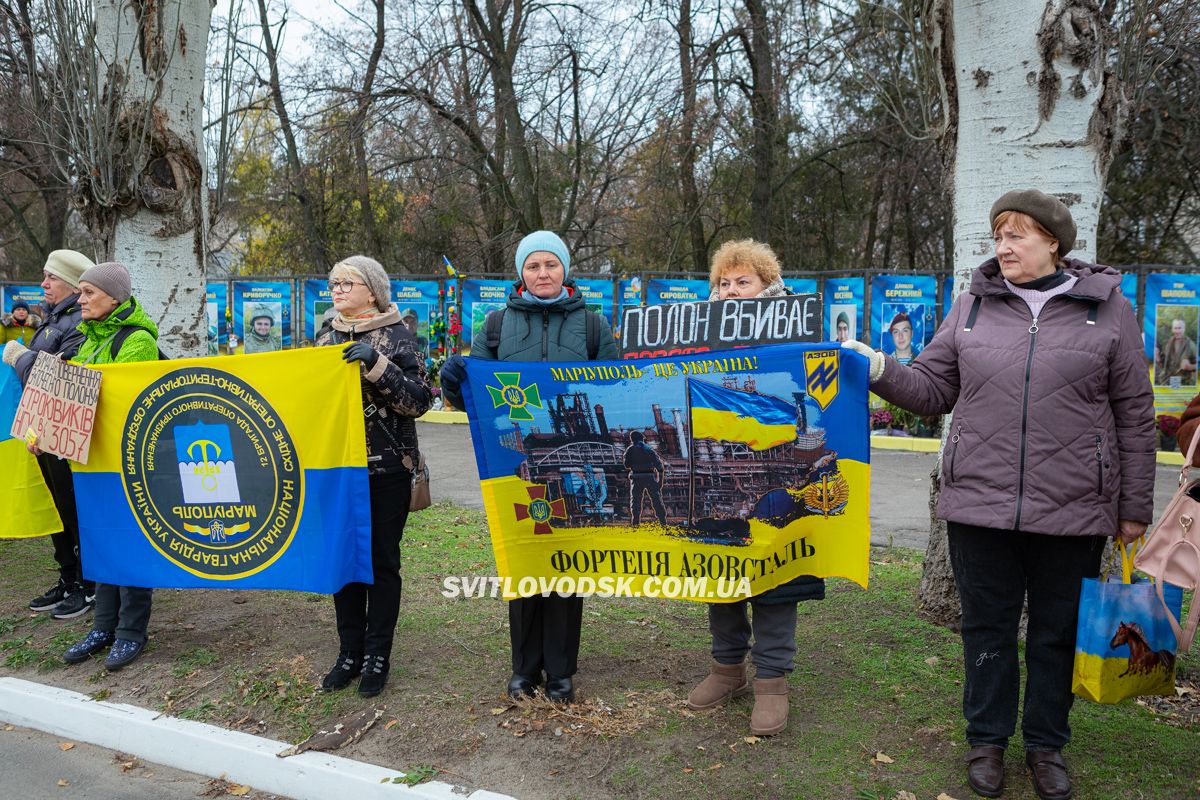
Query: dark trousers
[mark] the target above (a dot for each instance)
(994, 571)
(367, 613)
(57, 473)
(773, 627)
(124, 610)
(639, 483)
(545, 635)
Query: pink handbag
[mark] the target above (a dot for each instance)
(1172, 550)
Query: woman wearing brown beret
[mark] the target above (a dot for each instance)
(1051, 453)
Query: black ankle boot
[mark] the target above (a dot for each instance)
(560, 690)
(374, 675)
(522, 686)
(347, 668)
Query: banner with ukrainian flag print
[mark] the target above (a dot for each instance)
(26, 507)
(228, 473)
(700, 477)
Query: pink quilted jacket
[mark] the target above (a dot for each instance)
(1053, 427)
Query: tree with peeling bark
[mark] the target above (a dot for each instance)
(128, 85)
(1027, 99)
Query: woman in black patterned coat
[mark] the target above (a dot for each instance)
(396, 391)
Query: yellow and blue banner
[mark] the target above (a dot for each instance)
(26, 507)
(228, 473)
(667, 476)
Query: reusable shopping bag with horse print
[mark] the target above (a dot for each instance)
(1124, 644)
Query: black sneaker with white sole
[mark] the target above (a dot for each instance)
(53, 596)
(76, 604)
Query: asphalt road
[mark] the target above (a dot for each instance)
(899, 483)
(35, 765)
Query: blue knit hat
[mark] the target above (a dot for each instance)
(543, 241)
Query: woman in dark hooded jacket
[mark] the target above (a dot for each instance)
(545, 319)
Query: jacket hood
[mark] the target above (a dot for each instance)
(1095, 281)
(128, 313)
(519, 299)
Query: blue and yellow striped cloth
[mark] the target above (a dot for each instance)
(26, 507)
(731, 415)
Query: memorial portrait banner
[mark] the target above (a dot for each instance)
(216, 302)
(417, 301)
(1172, 333)
(902, 311)
(228, 473)
(31, 294)
(597, 295)
(675, 477)
(844, 306)
(479, 297)
(57, 411)
(26, 507)
(654, 331)
(270, 302)
(676, 290)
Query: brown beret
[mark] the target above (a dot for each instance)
(1049, 211)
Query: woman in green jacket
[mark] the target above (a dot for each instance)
(118, 331)
(545, 319)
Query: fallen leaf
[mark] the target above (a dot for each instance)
(391, 724)
(882, 758)
(932, 661)
(237, 790)
(716, 766)
(903, 795)
(751, 739)
(63, 782)
(688, 770)
(498, 711)
(65, 746)
(944, 796)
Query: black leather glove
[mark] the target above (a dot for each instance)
(361, 351)
(454, 372)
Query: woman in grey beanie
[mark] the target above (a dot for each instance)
(396, 390)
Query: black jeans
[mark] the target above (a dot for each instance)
(367, 613)
(57, 473)
(545, 635)
(123, 610)
(994, 570)
(646, 483)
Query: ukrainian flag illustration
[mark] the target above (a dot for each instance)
(730, 415)
(26, 507)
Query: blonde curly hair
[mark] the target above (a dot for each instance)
(745, 253)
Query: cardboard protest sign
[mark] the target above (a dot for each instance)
(682, 328)
(58, 408)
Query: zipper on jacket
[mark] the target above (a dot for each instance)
(955, 439)
(1099, 466)
(546, 334)
(1033, 332)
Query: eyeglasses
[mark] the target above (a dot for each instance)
(344, 286)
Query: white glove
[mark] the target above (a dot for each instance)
(877, 360)
(13, 351)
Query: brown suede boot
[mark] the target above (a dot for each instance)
(770, 706)
(724, 681)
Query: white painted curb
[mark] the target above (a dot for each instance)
(209, 750)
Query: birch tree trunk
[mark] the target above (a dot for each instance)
(152, 67)
(1029, 102)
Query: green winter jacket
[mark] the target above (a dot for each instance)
(555, 332)
(142, 345)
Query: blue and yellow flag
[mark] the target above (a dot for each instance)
(734, 415)
(246, 473)
(595, 474)
(26, 507)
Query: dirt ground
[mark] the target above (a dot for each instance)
(875, 696)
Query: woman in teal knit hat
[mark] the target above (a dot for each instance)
(545, 319)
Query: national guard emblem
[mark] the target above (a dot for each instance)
(821, 376)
